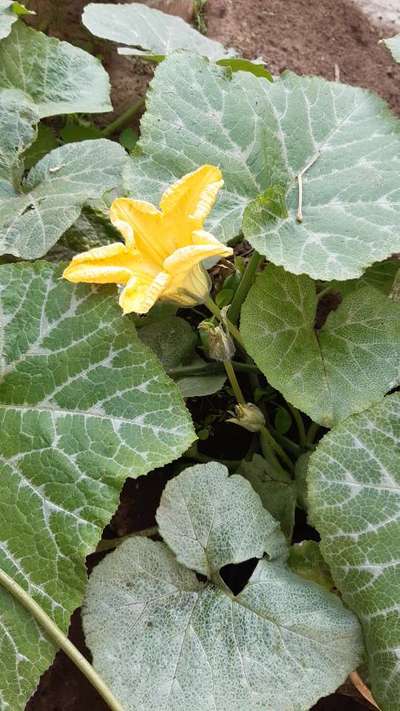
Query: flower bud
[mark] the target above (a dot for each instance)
(248, 416)
(220, 344)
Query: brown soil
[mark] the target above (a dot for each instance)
(307, 36)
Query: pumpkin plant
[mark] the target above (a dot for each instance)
(238, 266)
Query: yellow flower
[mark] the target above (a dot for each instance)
(164, 248)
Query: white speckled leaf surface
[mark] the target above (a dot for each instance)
(83, 405)
(166, 642)
(348, 364)
(354, 502)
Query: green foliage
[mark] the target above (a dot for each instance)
(196, 645)
(311, 180)
(83, 404)
(393, 44)
(330, 372)
(149, 32)
(354, 497)
(51, 197)
(58, 77)
(305, 559)
(275, 488)
(45, 141)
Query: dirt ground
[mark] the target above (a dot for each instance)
(307, 36)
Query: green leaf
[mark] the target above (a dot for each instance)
(200, 113)
(147, 30)
(282, 420)
(380, 275)
(263, 135)
(346, 366)
(92, 229)
(306, 559)
(354, 496)
(18, 119)
(205, 380)
(54, 193)
(165, 641)
(275, 488)
(7, 17)
(83, 405)
(238, 64)
(73, 132)
(301, 473)
(45, 142)
(350, 141)
(210, 519)
(128, 138)
(171, 339)
(58, 77)
(393, 44)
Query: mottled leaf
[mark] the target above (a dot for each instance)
(200, 113)
(354, 499)
(275, 488)
(393, 43)
(18, 119)
(83, 405)
(58, 77)
(329, 373)
(306, 559)
(343, 139)
(166, 642)
(148, 31)
(210, 520)
(53, 194)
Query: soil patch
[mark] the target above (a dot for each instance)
(309, 37)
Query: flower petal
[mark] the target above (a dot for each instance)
(194, 195)
(141, 292)
(145, 222)
(204, 246)
(111, 264)
(189, 288)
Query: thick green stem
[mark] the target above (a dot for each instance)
(59, 639)
(244, 287)
(123, 118)
(299, 424)
(276, 448)
(234, 382)
(312, 432)
(212, 306)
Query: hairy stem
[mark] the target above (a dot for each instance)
(59, 639)
(299, 424)
(212, 306)
(234, 382)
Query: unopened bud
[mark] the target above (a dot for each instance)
(248, 416)
(220, 344)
